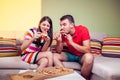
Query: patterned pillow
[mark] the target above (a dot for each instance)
(8, 47)
(96, 46)
(111, 47)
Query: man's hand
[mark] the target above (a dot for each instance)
(69, 37)
(57, 37)
(59, 45)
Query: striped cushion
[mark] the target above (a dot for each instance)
(7, 54)
(96, 46)
(111, 47)
(8, 47)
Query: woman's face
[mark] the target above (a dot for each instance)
(44, 26)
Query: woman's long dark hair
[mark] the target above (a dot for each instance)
(50, 31)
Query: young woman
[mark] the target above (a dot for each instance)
(36, 44)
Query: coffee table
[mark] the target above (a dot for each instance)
(72, 76)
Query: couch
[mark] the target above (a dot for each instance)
(105, 67)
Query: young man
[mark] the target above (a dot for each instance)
(77, 39)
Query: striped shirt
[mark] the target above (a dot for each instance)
(32, 47)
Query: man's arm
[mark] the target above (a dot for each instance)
(85, 48)
(59, 45)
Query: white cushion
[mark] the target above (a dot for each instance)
(98, 35)
(15, 62)
(107, 68)
(72, 65)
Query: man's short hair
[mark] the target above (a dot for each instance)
(69, 17)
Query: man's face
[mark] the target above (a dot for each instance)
(65, 26)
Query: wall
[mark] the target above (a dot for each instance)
(18, 16)
(97, 15)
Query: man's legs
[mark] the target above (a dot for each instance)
(86, 69)
(58, 58)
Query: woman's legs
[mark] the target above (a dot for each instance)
(48, 55)
(50, 58)
(42, 63)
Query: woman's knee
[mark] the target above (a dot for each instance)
(43, 61)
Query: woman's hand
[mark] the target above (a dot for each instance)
(26, 43)
(46, 45)
(47, 38)
(37, 35)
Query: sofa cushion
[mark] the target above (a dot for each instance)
(8, 47)
(96, 46)
(72, 65)
(106, 68)
(98, 35)
(15, 62)
(111, 47)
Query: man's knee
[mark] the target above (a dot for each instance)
(56, 55)
(88, 58)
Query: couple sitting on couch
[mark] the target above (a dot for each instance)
(77, 38)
